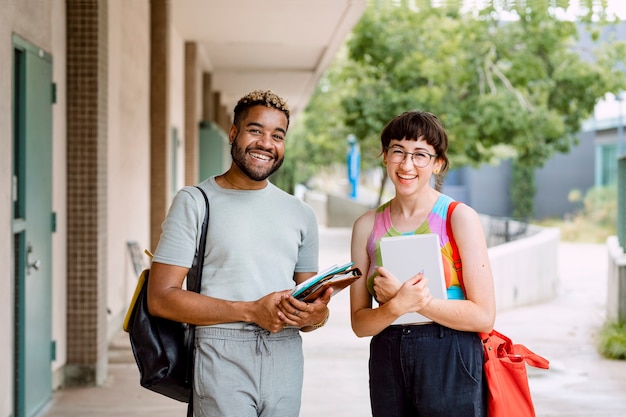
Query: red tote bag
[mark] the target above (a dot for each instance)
(505, 362)
(507, 378)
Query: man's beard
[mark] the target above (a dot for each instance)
(257, 174)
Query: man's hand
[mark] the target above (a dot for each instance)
(267, 314)
(302, 314)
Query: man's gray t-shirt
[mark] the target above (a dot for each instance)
(256, 241)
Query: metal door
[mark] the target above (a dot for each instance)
(33, 224)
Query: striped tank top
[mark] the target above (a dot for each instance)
(434, 223)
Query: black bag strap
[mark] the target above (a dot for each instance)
(196, 287)
(194, 277)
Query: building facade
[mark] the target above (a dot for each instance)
(107, 108)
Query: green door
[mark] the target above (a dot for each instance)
(214, 152)
(32, 226)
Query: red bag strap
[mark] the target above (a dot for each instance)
(456, 257)
(496, 344)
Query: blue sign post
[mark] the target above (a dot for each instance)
(354, 165)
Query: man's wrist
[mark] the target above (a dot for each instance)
(321, 323)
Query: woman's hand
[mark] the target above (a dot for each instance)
(413, 295)
(386, 285)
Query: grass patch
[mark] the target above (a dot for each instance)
(612, 341)
(580, 230)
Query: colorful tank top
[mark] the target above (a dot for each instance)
(434, 223)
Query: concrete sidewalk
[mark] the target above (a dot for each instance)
(579, 383)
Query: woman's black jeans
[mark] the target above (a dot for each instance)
(426, 370)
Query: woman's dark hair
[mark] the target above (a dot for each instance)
(416, 125)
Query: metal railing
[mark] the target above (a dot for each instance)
(505, 229)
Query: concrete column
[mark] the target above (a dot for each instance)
(159, 114)
(222, 118)
(191, 113)
(217, 103)
(208, 112)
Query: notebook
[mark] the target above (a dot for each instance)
(318, 278)
(337, 282)
(405, 256)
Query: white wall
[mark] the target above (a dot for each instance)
(59, 194)
(177, 107)
(525, 271)
(128, 148)
(31, 20)
(616, 294)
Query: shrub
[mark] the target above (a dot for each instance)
(612, 341)
(594, 221)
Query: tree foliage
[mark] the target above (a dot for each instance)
(503, 88)
(517, 85)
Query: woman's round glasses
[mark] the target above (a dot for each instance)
(420, 159)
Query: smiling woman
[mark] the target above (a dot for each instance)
(429, 354)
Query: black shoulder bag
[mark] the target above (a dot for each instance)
(163, 348)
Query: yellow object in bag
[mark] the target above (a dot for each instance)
(140, 283)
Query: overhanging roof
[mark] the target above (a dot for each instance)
(283, 45)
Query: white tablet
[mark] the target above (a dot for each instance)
(405, 256)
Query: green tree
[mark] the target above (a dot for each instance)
(513, 88)
(318, 137)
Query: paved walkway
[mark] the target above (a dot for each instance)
(579, 384)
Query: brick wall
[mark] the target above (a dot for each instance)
(86, 191)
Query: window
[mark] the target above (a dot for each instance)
(606, 164)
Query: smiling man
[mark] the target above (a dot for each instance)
(261, 242)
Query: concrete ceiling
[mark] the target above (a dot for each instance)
(283, 45)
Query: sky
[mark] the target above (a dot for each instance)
(617, 7)
(608, 108)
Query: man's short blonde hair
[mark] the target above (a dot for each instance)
(259, 98)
